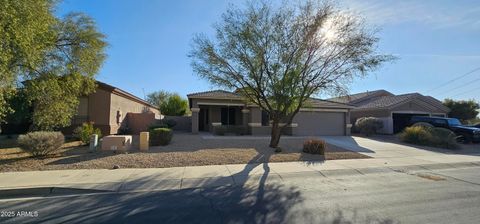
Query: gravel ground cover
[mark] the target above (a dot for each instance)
(184, 150)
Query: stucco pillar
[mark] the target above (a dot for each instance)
(195, 112)
(245, 113)
(348, 125)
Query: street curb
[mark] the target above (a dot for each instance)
(44, 192)
(49, 191)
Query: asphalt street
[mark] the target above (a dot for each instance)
(439, 196)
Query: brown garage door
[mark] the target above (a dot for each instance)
(320, 123)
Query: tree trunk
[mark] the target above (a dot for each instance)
(275, 135)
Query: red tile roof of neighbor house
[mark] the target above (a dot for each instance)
(381, 99)
(222, 94)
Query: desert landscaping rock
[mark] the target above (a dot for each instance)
(184, 150)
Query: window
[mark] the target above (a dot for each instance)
(454, 122)
(228, 116)
(265, 118)
(440, 122)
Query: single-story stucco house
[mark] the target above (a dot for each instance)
(218, 108)
(394, 110)
(111, 108)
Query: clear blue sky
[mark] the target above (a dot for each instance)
(436, 41)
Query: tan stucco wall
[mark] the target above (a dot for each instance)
(255, 115)
(82, 109)
(99, 109)
(215, 114)
(124, 105)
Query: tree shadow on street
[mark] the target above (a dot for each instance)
(252, 195)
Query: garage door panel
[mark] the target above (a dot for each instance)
(320, 123)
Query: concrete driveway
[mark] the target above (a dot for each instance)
(385, 150)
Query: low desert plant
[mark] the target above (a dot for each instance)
(314, 146)
(429, 136)
(160, 136)
(368, 125)
(419, 135)
(41, 143)
(444, 138)
(84, 132)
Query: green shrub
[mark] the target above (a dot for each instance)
(160, 136)
(157, 125)
(41, 143)
(444, 138)
(84, 132)
(314, 146)
(165, 123)
(368, 125)
(428, 136)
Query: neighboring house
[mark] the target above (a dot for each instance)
(111, 109)
(394, 110)
(218, 108)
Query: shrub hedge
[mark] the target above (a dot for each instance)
(314, 146)
(41, 143)
(160, 136)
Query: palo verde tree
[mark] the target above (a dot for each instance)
(278, 57)
(54, 64)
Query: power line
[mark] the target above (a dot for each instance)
(462, 93)
(460, 86)
(453, 80)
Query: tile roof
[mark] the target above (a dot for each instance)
(388, 101)
(382, 99)
(353, 98)
(319, 103)
(216, 94)
(222, 94)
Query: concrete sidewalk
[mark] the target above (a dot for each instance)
(154, 179)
